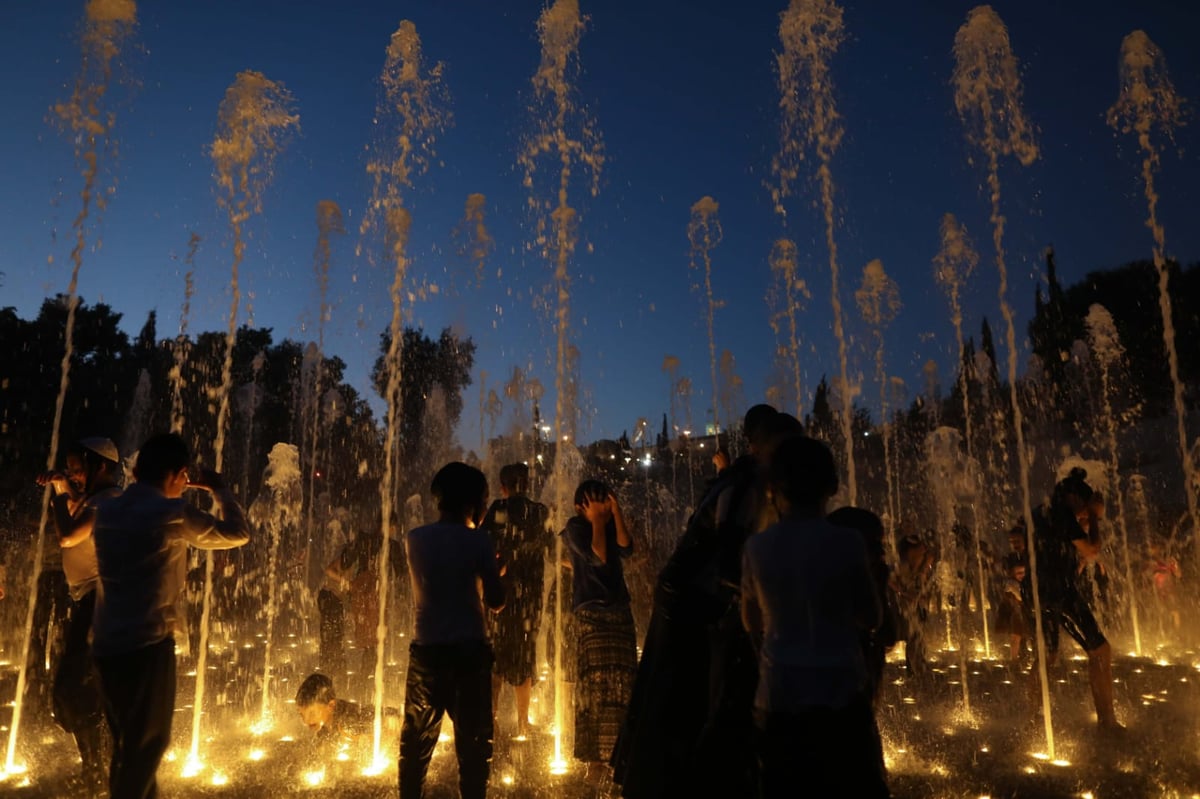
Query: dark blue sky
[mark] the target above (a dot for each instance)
(684, 96)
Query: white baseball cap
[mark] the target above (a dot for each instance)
(104, 447)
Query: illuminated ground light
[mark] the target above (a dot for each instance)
(219, 778)
(1087, 795)
(192, 767)
(1060, 763)
(377, 767)
(314, 778)
(256, 754)
(507, 779)
(1040, 756)
(12, 771)
(558, 766)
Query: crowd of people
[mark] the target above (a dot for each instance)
(760, 667)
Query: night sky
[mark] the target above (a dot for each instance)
(684, 97)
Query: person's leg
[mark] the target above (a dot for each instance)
(77, 704)
(496, 683)
(1081, 625)
(333, 633)
(139, 692)
(1100, 678)
(523, 693)
(470, 705)
(73, 669)
(422, 720)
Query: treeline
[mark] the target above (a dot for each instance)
(280, 391)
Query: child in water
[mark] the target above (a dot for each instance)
(337, 721)
(1011, 618)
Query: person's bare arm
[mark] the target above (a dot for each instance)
(206, 531)
(624, 540)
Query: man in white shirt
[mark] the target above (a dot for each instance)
(142, 539)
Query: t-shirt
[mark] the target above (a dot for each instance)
(448, 563)
(517, 526)
(808, 593)
(1055, 531)
(142, 539)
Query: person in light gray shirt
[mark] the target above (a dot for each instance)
(141, 541)
(807, 597)
(454, 572)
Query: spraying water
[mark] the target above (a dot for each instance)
(564, 137)
(952, 267)
(879, 301)
(730, 393)
(788, 296)
(811, 32)
(253, 117)
(475, 242)
(180, 350)
(1106, 346)
(704, 233)
(329, 224)
(412, 112)
(282, 511)
(107, 26)
(951, 483)
(987, 94)
(1148, 106)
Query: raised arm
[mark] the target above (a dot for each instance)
(205, 530)
(624, 540)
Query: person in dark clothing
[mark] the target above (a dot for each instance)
(597, 540)
(142, 540)
(877, 642)
(89, 479)
(1065, 532)
(336, 721)
(352, 584)
(726, 759)
(910, 586)
(656, 751)
(450, 660)
(518, 527)
(808, 596)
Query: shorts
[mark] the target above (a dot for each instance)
(1071, 613)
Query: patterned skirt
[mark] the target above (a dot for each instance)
(607, 658)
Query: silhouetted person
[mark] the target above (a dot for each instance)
(808, 595)
(911, 584)
(878, 641)
(1065, 533)
(597, 541)
(450, 660)
(335, 721)
(91, 476)
(518, 528)
(142, 538)
(655, 754)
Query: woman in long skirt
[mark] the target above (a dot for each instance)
(597, 540)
